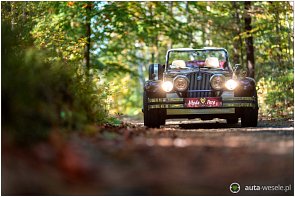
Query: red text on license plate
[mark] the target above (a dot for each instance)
(203, 102)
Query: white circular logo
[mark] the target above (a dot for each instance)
(235, 187)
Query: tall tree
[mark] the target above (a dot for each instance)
(249, 40)
(87, 35)
(237, 44)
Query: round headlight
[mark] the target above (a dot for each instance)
(167, 86)
(217, 81)
(231, 84)
(181, 83)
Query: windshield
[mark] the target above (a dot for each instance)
(197, 58)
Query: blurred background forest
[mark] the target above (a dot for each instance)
(71, 63)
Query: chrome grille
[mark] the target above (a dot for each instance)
(199, 87)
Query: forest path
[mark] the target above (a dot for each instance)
(196, 158)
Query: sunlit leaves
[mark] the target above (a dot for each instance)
(273, 103)
(61, 31)
(128, 36)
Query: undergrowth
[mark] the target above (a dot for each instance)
(39, 96)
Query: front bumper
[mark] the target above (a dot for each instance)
(177, 105)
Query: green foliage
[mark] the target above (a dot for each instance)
(113, 121)
(139, 33)
(128, 36)
(38, 96)
(276, 96)
(123, 86)
(61, 30)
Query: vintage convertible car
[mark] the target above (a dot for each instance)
(199, 83)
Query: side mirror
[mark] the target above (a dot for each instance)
(240, 71)
(237, 67)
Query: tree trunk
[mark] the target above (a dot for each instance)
(249, 40)
(154, 38)
(208, 41)
(88, 33)
(153, 56)
(236, 42)
(170, 43)
(242, 50)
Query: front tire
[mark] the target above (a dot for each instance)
(152, 117)
(249, 118)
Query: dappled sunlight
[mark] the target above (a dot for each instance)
(275, 140)
(262, 139)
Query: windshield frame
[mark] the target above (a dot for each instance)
(195, 50)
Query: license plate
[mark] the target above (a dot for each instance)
(203, 102)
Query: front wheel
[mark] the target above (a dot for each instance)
(249, 117)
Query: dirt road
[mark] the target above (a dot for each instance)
(196, 158)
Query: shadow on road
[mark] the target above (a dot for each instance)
(222, 124)
(208, 125)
